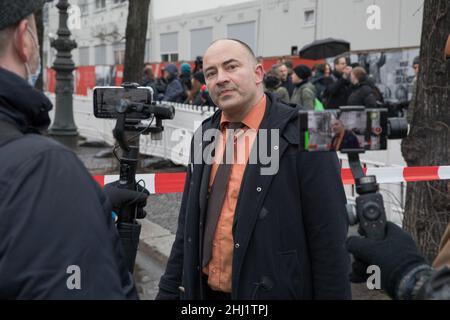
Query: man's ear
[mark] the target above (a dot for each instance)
(259, 73)
(21, 44)
(447, 48)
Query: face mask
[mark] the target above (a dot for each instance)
(32, 77)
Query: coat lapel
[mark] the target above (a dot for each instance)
(255, 186)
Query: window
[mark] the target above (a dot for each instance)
(100, 4)
(172, 57)
(83, 56)
(119, 53)
(310, 17)
(84, 7)
(245, 32)
(169, 46)
(100, 55)
(200, 40)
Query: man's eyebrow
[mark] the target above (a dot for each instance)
(223, 63)
(230, 61)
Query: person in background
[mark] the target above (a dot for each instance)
(199, 95)
(272, 83)
(286, 81)
(321, 79)
(412, 103)
(304, 91)
(175, 91)
(362, 93)
(198, 64)
(186, 76)
(161, 84)
(337, 92)
(148, 79)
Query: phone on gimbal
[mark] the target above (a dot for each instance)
(107, 100)
(130, 104)
(354, 130)
(346, 129)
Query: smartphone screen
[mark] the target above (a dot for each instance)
(107, 100)
(343, 130)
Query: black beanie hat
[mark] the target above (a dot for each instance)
(302, 71)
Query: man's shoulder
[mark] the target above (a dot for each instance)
(31, 147)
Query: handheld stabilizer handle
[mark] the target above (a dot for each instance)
(370, 213)
(129, 229)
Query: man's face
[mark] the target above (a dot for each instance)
(283, 72)
(295, 78)
(232, 77)
(166, 75)
(337, 126)
(340, 66)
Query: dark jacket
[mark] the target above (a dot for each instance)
(288, 85)
(290, 228)
(362, 94)
(53, 215)
(304, 95)
(175, 91)
(321, 83)
(336, 94)
(349, 141)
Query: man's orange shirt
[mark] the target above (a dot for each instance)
(219, 268)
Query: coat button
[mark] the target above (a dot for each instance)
(259, 189)
(237, 245)
(189, 239)
(275, 148)
(198, 268)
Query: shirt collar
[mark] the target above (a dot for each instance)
(253, 119)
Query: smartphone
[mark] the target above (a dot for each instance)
(107, 101)
(347, 129)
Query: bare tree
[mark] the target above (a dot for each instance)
(136, 35)
(427, 211)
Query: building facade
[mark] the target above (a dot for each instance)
(270, 27)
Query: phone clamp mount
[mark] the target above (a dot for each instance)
(370, 212)
(127, 133)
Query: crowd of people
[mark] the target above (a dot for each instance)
(317, 88)
(183, 86)
(323, 87)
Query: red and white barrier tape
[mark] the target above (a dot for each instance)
(157, 183)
